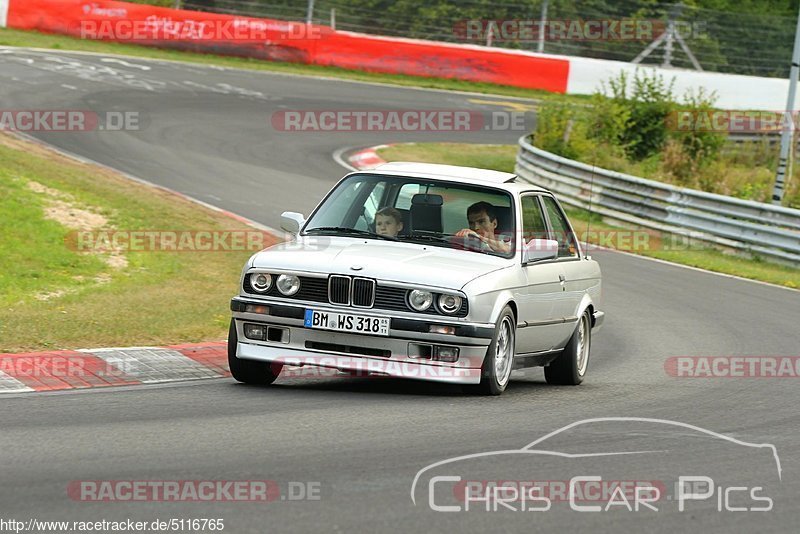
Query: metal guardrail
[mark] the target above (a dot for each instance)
(772, 232)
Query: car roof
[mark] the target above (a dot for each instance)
(454, 173)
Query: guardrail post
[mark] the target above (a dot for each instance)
(788, 129)
(3, 13)
(310, 13)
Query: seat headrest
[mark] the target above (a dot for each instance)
(427, 200)
(426, 213)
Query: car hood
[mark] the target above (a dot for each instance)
(413, 263)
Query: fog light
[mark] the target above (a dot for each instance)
(256, 308)
(445, 354)
(441, 329)
(255, 331)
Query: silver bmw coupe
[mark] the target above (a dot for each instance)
(423, 271)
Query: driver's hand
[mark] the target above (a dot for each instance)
(466, 232)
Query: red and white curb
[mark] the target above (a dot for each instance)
(366, 158)
(82, 369)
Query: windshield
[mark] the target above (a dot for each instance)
(446, 214)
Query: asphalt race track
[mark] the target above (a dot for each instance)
(206, 132)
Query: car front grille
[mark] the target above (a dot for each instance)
(363, 292)
(357, 292)
(339, 290)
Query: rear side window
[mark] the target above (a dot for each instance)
(404, 196)
(567, 247)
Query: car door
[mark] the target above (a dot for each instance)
(572, 288)
(538, 327)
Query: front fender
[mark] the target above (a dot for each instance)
(488, 300)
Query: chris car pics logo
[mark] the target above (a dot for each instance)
(650, 469)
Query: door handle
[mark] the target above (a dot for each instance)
(562, 278)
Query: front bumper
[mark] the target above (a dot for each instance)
(390, 355)
(597, 321)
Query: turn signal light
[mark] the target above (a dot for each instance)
(442, 329)
(256, 308)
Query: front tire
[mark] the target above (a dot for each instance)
(570, 367)
(249, 371)
(499, 360)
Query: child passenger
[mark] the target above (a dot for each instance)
(388, 222)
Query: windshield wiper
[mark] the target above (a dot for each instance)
(422, 235)
(351, 231)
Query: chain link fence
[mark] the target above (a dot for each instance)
(758, 42)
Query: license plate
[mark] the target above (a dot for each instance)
(347, 322)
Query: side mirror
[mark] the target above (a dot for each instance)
(292, 222)
(540, 249)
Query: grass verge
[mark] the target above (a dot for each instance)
(57, 294)
(656, 245)
(33, 39)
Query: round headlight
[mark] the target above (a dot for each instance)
(449, 303)
(261, 282)
(420, 300)
(288, 284)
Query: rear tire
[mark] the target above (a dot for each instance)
(569, 368)
(249, 371)
(499, 360)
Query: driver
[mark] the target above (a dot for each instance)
(482, 220)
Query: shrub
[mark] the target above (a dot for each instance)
(701, 146)
(650, 102)
(562, 129)
(611, 115)
(632, 113)
(626, 128)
